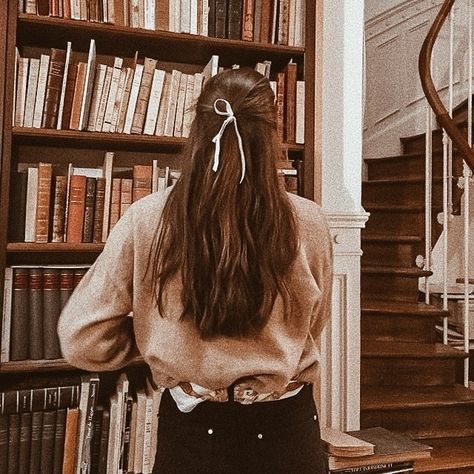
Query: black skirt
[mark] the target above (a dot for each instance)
(280, 436)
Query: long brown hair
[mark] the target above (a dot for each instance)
(231, 243)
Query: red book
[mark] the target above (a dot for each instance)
(76, 208)
(53, 87)
(69, 96)
(266, 21)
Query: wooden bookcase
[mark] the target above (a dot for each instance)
(87, 148)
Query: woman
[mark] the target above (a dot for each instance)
(229, 280)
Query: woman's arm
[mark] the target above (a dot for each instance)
(95, 329)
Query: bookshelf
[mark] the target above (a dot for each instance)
(188, 53)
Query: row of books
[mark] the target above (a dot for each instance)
(80, 428)
(33, 300)
(266, 21)
(78, 205)
(60, 91)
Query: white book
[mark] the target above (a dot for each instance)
(211, 68)
(291, 22)
(300, 111)
(66, 209)
(107, 174)
(41, 91)
(109, 110)
(156, 395)
(273, 86)
(122, 392)
(146, 453)
(21, 85)
(140, 432)
(178, 121)
(88, 172)
(193, 26)
(110, 18)
(300, 22)
(154, 102)
(30, 7)
(135, 13)
(132, 103)
(7, 315)
(260, 67)
(96, 96)
(75, 9)
(15, 79)
(124, 102)
(113, 436)
(205, 18)
(31, 204)
(154, 176)
(163, 109)
(185, 16)
(150, 14)
(118, 100)
(63, 86)
(173, 103)
(198, 83)
(85, 382)
(88, 84)
(103, 100)
(268, 67)
(188, 106)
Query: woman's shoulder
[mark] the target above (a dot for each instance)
(307, 211)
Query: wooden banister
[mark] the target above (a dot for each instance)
(424, 67)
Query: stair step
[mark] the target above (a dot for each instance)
(399, 191)
(401, 308)
(410, 351)
(394, 251)
(427, 412)
(448, 454)
(400, 272)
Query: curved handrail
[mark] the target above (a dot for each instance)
(424, 68)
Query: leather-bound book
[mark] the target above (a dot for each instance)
(36, 313)
(76, 208)
(19, 349)
(47, 441)
(35, 449)
(59, 208)
(104, 440)
(17, 216)
(43, 206)
(69, 95)
(211, 29)
(89, 210)
(290, 99)
(78, 97)
(280, 96)
(257, 19)
(3, 443)
(25, 443)
(53, 87)
(52, 310)
(42, 7)
(66, 286)
(70, 441)
(162, 15)
(59, 438)
(126, 189)
(221, 19)
(141, 181)
(283, 22)
(99, 210)
(13, 443)
(266, 20)
(234, 19)
(247, 23)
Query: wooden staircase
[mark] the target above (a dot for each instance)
(410, 382)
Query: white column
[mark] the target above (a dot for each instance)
(343, 33)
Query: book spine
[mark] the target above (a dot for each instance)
(162, 110)
(96, 96)
(141, 181)
(178, 122)
(300, 22)
(88, 84)
(77, 198)
(280, 96)
(99, 210)
(103, 99)
(59, 208)
(5, 342)
(154, 102)
(85, 462)
(173, 103)
(104, 439)
(35, 449)
(125, 99)
(137, 78)
(205, 18)
(283, 22)
(193, 18)
(66, 286)
(257, 19)
(45, 173)
(291, 22)
(36, 313)
(95, 449)
(143, 96)
(188, 106)
(3, 443)
(59, 438)
(52, 310)
(234, 19)
(41, 90)
(31, 204)
(25, 443)
(70, 441)
(300, 111)
(247, 24)
(211, 19)
(91, 184)
(69, 95)
(47, 441)
(21, 88)
(162, 15)
(30, 7)
(115, 202)
(126, 434)
(107, 173)
(53, 88)
(114, 82)
(13, 443)
(43, 7)
(19, 349)
(147, 464)
(31, 92)
(126, 188)
(17, 214)
(78, 96)
(118, 100)
(220, 18)
(290, 99)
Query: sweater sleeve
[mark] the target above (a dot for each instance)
(95, 329)
(322, 269)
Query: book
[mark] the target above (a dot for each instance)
(21, 88)
(45, 173)
(13, 443)
(234, 19)
(33, 73)
(76, 208)
(47, 441)
(107, 175)
(69, 95)
(70, 441)
(290, 102)
(88, 228)
(115, 202)
(154, 102)
(389, 448)
(338, 443)
(41, 90)
(118, 99)
(36, 315)
(100, 115)
(247, 24)
(66, 285)
(132, 102)
(300, 112)
(31, 205)
(77, 100)
(126, 190)
(7, 316)
(66, 74)
(220, 18)
(138, 120)
(19, 347)
(3, 443)
(140, 429)
(142, 178)
(280, 102)
(188, 114)
(25, 443)
(52, 310)
(162, 111)
(96, 96)
(178, 122)
(98, 210)
(110, 104)
(283, 21)
(53, 87)
(59, 441)
(17, 212)
(378, 468)
(59, 208)
(35, 443)
(104, 439)
(173, 103)
(88, 84)
(122, 113)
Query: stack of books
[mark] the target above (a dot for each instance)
(266, 21)
(33, 299)
(60, 91)
(372, 450)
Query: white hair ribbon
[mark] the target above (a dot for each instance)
(217, 139)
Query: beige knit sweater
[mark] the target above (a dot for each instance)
(96, 334)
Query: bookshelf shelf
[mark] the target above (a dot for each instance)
(176, 47)
(20, 247)
(106, 141)
(45, 365)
